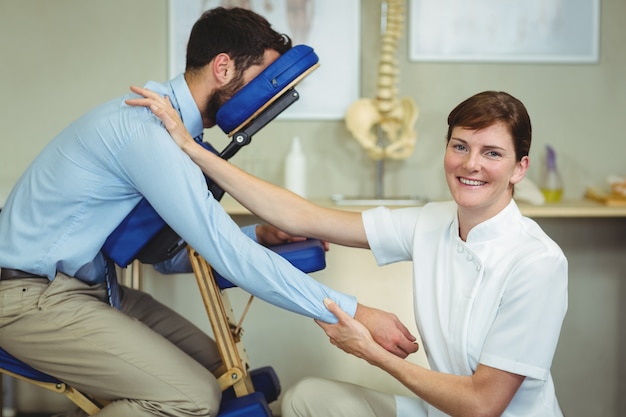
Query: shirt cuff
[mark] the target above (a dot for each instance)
(250, 231)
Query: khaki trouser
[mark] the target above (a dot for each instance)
(316, 397)
(146, 359)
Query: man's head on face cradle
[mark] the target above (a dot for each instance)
(227, 48)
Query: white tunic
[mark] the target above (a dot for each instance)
(498, 299)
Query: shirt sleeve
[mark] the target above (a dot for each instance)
(525, 333)
(250, 231)
(180, 263)
(176, 188)
(390, 233)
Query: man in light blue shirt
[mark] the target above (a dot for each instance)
(144, 358)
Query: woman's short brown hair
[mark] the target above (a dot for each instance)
(489, 107)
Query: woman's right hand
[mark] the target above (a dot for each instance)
(162, 108)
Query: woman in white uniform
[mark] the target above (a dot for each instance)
(490, 287)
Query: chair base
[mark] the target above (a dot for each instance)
(264, 381)
(251, 405)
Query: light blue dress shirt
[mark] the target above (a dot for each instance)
(89, 177)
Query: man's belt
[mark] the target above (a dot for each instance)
(8, 273)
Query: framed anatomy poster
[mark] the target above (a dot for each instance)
(331, 27)
(504, 30)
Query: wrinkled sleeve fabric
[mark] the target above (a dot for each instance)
(180, 263)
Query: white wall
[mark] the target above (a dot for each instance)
(60, 58)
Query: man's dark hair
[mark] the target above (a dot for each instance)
(242, 34)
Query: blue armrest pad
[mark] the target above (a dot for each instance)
(279, 75)
(18, 367)
(308, 256)
(135, 231)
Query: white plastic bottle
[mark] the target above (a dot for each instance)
(295, 169)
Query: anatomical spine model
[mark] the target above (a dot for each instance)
(395, 117)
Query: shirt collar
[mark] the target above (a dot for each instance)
(182, 100)
(492, 228)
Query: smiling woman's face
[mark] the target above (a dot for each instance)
(481, 168)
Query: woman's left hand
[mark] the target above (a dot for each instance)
(348, 334)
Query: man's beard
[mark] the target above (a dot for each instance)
(219, 97)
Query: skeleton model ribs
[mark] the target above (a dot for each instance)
(394, 116)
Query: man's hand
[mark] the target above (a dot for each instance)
(268, 235)
(385, 328)
(369, 327)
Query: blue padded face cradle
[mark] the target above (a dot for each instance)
(278, 76)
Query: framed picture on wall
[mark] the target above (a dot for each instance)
(332, 28)
(504, 31)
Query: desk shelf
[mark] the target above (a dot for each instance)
(578, 208)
